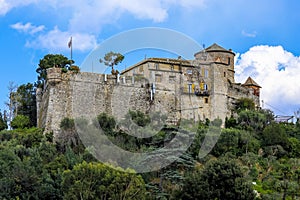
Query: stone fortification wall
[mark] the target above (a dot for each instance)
(87, 95)
(237, 91)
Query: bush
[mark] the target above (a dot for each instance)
(106, 123)
(74, 68)
(67, 124)
(20, 121)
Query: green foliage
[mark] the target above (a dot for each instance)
(220, 179)
(230, 123)
(3, 122)
(67, 124)
(105, 122)
(111, 59)
(274, 134)
(294, 145)
(254, 148)
(228, 142)
(68, 136)
(49, 61)
(252, 120)
(245, 104)
(99, 181)
(20, 121)
(25, 100)
(139, 118)
(74, 68)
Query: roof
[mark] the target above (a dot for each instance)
(215, 48)
(251, 82)
(160, 60)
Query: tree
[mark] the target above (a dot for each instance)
(252, 120)
(274, 134)
(99, 181)
(25, 98)
(51, 60)
(227, 142)
(111, 59)
(220, 179)
(3, 122)
(245, 104)
(12, 101)
(20, 121)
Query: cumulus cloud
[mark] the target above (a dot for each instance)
(88, 17)
(277, 71)
(57, 40)
(27, 28)
(7, 5)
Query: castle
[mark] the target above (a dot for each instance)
(181, 89)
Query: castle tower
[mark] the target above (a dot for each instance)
(222, 57)
(221, 72)
(251, 84)
(54, 75)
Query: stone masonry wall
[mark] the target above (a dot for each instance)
(86, 95)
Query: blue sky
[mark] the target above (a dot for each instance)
(264, 34)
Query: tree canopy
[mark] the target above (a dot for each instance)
(51, 60)
(111, 59)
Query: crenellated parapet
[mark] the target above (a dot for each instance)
(54, 75)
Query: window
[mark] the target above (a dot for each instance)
(224, 74)
(205, 100)
(190, 88)
(206, 73)
(189, 72)
(156, 66)
(157, 78)
(205, 87)
(229, 60)
(172, 67)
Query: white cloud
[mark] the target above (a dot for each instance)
(277, 71)
(57, 40)
(28, 28)
(248, 34)
(4, 7)
(7, 5)
(87, 18)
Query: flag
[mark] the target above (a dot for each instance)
(70, 43)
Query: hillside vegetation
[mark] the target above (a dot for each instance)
(254, 158)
